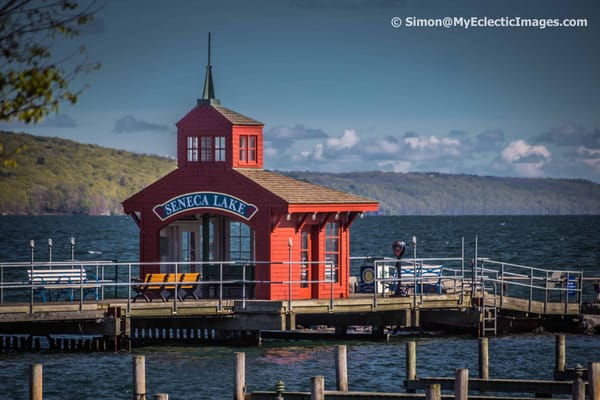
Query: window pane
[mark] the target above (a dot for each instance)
(206, 148)
(220, 148)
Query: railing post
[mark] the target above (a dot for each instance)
(36, 382)
(530, 288)
(175, 291)
(462, 271)
(341, 368)
(129, 289)
(220, 286)
(244, 286)
(290, 243)
(461, 384)
(317, 391)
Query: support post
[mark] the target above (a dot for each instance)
(483, 359)
(461, 384)
(579, 386)
(317, 391)
(433, 392)
(341, 368)
(594, 380)
(35, 384)
(411, 362)
(239, 370)
(139, 378)
(560, 353)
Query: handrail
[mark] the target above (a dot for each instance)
(538, 282)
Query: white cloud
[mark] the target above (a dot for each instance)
(525, 159)
(348, 140)
(589, 157)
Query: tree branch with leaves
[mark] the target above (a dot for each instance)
(32, 82)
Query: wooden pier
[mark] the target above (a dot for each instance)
(484, 304)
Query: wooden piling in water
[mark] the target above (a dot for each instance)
(411, 362)
(139, 378)
(560, 353)
(594, 380)
(484, 364)
(433, 392)
(461, 384)
(317, 391)
(341, 368)
(578, 388)
(35, 383)
(239, 372)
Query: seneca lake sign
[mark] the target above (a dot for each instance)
(204, 200)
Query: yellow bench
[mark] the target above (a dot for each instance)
(163, 285)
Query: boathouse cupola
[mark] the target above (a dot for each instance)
(212, 136)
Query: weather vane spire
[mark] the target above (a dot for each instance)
(208, 95)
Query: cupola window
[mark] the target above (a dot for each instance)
(248, 148)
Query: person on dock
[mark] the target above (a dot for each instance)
(399, 247)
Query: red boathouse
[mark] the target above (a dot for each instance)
(221, 205)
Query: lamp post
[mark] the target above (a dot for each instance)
(50, 252)
(72, 248)
(32, 247)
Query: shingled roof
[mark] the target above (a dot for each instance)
(295, 191)
(234, 117)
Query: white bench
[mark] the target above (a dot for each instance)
(427, 277)
(62, 281)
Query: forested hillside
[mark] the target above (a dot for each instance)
(53, 175)
(443, 194)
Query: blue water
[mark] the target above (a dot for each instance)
(203, 372)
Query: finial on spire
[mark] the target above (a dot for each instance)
(208, 96)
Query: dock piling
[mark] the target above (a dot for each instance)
(139, 378)
(461, 384)
(578, 384)
(35, 388)
(411, 362)
(239, 371)
(594, 380)
(560, 354)
(317, 391)
(433, 392)
(484, 358)
(341, 368)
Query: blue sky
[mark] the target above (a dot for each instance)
(341, 89)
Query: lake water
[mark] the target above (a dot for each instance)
(205, 372)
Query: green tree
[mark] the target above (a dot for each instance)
(32, 82)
